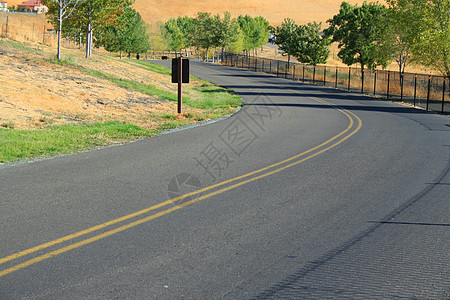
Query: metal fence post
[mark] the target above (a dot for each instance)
(293, 73)
(286, 67)
(428, 93)
(270, 67)
(375, 83)
(303, 73)
(314, 74)
(402, 78)
(443, 96)
(415, 88)
(349, 77)
(278, 67)
(325, 76)
(262, 68)
(335, 83)
(388, 84)
(256, 64)
(362, 81)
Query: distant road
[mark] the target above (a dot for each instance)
(307, 193)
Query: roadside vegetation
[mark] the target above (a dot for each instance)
(147, 107)
(85, 98)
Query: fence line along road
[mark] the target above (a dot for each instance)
(429, 92)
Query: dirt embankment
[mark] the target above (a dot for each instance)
(35, 91)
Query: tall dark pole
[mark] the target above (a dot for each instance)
(180, 81)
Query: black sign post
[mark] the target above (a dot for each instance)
(180, 75)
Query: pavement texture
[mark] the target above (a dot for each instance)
(306, 193)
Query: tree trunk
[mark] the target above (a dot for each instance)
(59, 33)
(88, 40)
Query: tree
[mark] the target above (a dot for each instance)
(174, 35)
(263, 32)
(128, 34)
(59, 10)
(157, 40)
(255, 30)
(429, 36)
(286, 37)
(311, 47)
(187, 27)
(205, 32)
(92, 14)
(361, 33)
(402, 32)
(228, 31)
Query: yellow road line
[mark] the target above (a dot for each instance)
(154, 207)
(165, 212)
(162, 204)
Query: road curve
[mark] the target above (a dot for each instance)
(307, 192)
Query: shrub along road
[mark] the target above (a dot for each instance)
(307, 192)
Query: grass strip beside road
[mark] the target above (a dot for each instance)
(132, 85)
(16, 145)
(210, 102)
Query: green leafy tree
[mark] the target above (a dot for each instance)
(255, 30)
(93, 14)
(428, 32)
(263, 31)
(187, 27)
(361, 33)
(250, 32)
(311, 48)
(402, 32)
(205, 32)
(286, 37)
(58, 11)
(174, 36)
(229, 31)
(129, 34)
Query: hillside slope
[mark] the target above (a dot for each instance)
(302, 11)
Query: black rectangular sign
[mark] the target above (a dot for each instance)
(185, 70)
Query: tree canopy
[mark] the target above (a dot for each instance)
(128, 34)
(304, 42)
(361, 33)
(426, 27)
(312, 48)
(208, 31)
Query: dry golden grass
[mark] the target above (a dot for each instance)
(333, 60)
(302, 11)
(36, 92)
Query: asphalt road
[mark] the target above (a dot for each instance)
(307, 193)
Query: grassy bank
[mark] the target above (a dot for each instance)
(152, 109)
(16, 145)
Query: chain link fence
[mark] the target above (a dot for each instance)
(429, 92)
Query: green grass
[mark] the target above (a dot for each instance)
(211, 101)
(17, 145)
(150, 67)
(132, 85)
(69, 60)
(20, 46)
(214, 100)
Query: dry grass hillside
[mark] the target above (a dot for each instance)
(302, 11)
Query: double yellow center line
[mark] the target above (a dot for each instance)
(354, 126)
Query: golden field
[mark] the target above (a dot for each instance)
(302, 11)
